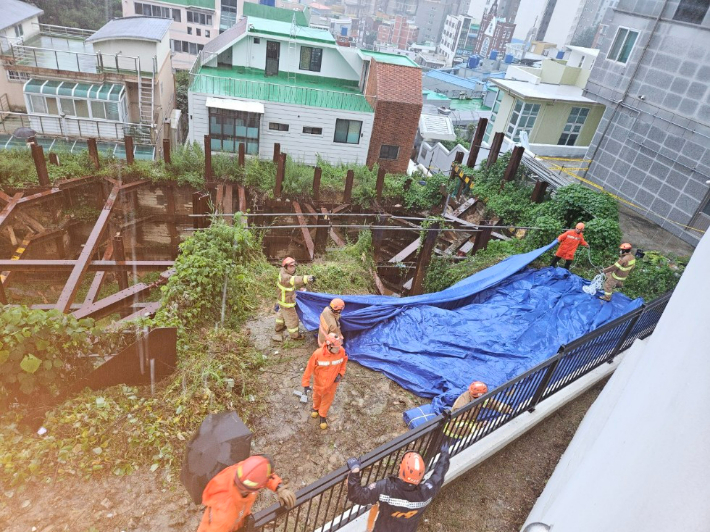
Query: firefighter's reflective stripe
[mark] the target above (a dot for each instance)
(294, 330)
(285, 289)
(329, 362)
(402, 503)
(627, 268)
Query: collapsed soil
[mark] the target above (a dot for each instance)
(367, 412)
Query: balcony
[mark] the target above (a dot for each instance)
(310, 91)
(65, 49)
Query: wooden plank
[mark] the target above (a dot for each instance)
(406, 223)
(242, 199)
(11, 233)
(5, 197)
(460, 221)
(334, 234)
(499, 236)
(227, 203)
(378, 282)
(306, 234)
(311, 210)
(28, 220)
(408, 284)
(340, 208)
(5, 276)
(460, 241)
(463, 208)
(66, 298)
(406, 252)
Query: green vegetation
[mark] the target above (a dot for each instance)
(187, 168)
(510, 202)
(85, 14)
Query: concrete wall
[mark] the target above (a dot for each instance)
(655, 151)
(334, 65)
(529, 14)
(127, 50)
(301, 147)
(558, 31)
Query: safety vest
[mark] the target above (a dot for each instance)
(284, 290)
(623, 266)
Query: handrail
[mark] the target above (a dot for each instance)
(85, 62)
(66, 31)
(464, 427)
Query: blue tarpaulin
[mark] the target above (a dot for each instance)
(491, 326)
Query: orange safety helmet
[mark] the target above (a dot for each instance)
(253, 473)
(477, 389)
(412, 468)
(579, 226)
(288, 261)
(333, 339)
(337, 304)
(625, 246)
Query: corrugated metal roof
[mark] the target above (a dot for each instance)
(467, 83)
(14, 12)
(392, 59)
(274, 27)
(276, 13)
(140, 28)
(226, 39)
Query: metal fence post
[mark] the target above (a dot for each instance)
(436, 438)
(625, 335)
(545, 381)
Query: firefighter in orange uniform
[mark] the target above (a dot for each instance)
(569, 241)
(231, 493)
(330, 320)
(327, 365)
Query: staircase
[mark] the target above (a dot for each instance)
(146, 106)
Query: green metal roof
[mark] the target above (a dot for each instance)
(392, 59)
(311, 91)
(283, 29)
(432, 95)
(109, 92)
(275, 13)
(207, 4)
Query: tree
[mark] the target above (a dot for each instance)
(85, 14)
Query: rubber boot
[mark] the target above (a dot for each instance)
(314, 413)
(323, 423)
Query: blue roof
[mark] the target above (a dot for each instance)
(467, 83)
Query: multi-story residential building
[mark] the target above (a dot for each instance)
(653, 146)
(265, 81)
(399, 33)
(495, 33)
(106, 84)
(196, 22)
(548, 104)
(430, 19)
(455, 38)
(20, 21)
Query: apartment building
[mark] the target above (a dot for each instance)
(652, 148)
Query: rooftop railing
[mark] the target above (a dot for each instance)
(324, 506)
(64, 31)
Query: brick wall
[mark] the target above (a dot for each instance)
(398, 104)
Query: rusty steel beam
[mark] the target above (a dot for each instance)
(317, 173)
(242, 198)
(118, 301)
(98, 278)
(78, 306)
(347, 194)
(93, 266)
(5, 213)
(476, 142)
(66, 298)
(6, 273)
(147, 311)
(424, 258)
(128, 140)
(333, 233)
(304, 230)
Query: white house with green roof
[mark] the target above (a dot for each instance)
(267, 81)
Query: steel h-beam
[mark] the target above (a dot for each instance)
(208, 159)
(476, 143)
(496, 145)
(66, 298)
(316, 183)
(98, 279)
(424, 259)
(40, 165)
(32, 265)
(347, 195)
(129, 148)
(5, 213)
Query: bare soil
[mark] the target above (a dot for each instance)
(367, 412)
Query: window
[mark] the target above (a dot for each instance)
(67, 106)
(199, 18)
(692, 11)
(207, 33)
(98, 110)
(312, 130)
(389, 152)
(189, 30)
(185, 47)
(228, 129)
(522, 119)
(82, 108)
(275, 126)
(14, 75)
(575, 121)
(19, 31)
(311, 58)
(623, 44)
(38, 104)
(494, 114)
(198, 32)
(347, 131)
(148, 10)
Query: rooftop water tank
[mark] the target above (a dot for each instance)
(344, 31)
(560, 55)
(494, 55)
(473, 61)
(508, 58)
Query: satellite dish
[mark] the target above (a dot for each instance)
(524, 140)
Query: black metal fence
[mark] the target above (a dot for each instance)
(323, 506)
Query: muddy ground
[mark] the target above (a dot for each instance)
(367, 411)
